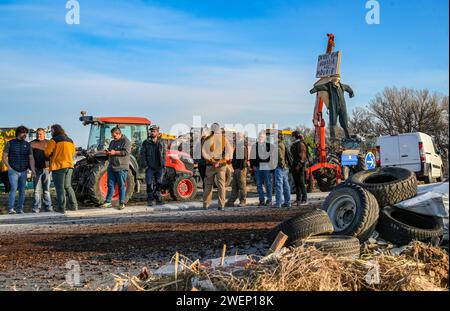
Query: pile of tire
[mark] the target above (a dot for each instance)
(365, 203)
(312, 227)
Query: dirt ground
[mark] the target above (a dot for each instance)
(34, 256)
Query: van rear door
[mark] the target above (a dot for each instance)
(409, 152)
(389, 152)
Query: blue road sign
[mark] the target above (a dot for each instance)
(370, 161)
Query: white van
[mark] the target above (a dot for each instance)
(413, 151)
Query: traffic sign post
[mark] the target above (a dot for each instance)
(370, 161)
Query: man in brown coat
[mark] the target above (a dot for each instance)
(299, 152)
(217, 152)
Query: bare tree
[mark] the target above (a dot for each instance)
(395, 111)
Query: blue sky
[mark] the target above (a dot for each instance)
(227, 61)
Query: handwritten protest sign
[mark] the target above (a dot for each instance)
(328, 65)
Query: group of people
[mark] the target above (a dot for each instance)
(54, 160)
(47, 160)
(264, 158)
(152, 157)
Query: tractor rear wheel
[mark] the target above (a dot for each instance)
(97, 185)
(326, 179)
(78, 180)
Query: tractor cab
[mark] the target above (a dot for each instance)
(135, 129)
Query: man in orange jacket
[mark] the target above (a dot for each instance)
(61, 151)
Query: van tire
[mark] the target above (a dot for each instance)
(441, 175)
(389, 185)
(309, 223)
(429, 178)
(338, 245)
(401, 226)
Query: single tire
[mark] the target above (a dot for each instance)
(97, 185)
(77, 180)
(326, 179)
(308, 223)
(441, 175)
(429, 178)
(352, 210)
(184, 189)
(389, 185)
(339, 245)
(401, 227)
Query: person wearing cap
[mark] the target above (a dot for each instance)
(153, 158)
(298, 151)
(218, 152)
(119, 152)
(18, 158)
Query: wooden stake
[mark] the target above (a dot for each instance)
(224, 250)
(278, 244)
(177, 259)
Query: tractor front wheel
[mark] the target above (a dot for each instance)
(184, 189)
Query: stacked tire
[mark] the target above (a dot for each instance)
(314, 228)
(365, 203)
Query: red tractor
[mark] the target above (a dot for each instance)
(90, 177)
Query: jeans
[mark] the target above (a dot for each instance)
(153, 179)
(64, 191)
(42, 184)
(18, 181)
(282, 186)
(264, 177)
(118, 178)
